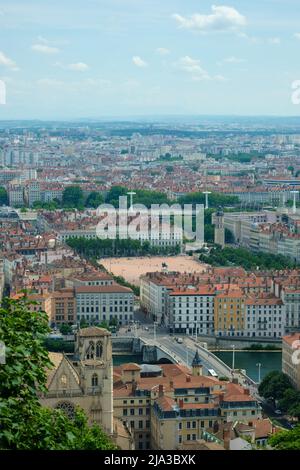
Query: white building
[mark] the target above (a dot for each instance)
(104, 303)
(191, 310)
(264, 317)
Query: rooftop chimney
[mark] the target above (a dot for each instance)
(160, 390)
(180, 403)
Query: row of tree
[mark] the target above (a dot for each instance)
(100, 248)
(230, 256)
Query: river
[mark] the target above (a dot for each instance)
(269, 361)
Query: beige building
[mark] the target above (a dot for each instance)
(169, 405)
(63, 307)
(291, 358)
(86, 381)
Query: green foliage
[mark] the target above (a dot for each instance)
(286, 440)
(274, 385)
(94, 199)
(3, 196)
(98, 248)
(65, 329)
(290, 402)
(50, 206)
(24, 424)
(73, 197)
(215, 199)
(229, 256)
(58, 345)
(47, 429)
(120, 280)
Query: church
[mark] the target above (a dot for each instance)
(86, 381)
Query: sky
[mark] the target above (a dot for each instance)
(72, 59)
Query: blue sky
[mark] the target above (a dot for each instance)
(63, 59)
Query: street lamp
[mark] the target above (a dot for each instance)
(233, 356)
(206, 193)
(259, 367)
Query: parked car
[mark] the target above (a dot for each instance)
(179, 340)
(278, 412)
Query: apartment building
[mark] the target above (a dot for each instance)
(191, 310)
(90, 278)
(291, 300)
(16, 194)
(104, 303)
(32, 192)
(265, 317)
(229, 317)
(153, 289)
(63, 307)
(291, 358)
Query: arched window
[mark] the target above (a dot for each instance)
(90, 354)
(98, 349)
(94, 380)
(67, 408)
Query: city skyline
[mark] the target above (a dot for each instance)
(141, 58)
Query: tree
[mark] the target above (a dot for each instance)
(65, 329)
(286, 440)
(274, 385)
(94, 199)
(73, 197)
(25, 424)
(3, 196)
(289, 399)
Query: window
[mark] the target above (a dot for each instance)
(124, 412)
(94, 380)
(132, 411)
(98, 349)
(90, 351)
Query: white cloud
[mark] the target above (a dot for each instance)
(163, 51)
(78, 67)
(233, 60)
(194, 68)
(44, 49)
(7, 62)
(297, 35)
(274, 41)
(138, 61)
(50, 82)
(222, 18)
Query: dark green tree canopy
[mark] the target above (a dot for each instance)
(73, 197)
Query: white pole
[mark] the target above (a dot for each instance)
(233, 356)
(259, 375)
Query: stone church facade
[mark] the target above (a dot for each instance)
(86, 380)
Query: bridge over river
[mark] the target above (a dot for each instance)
(166, 347)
